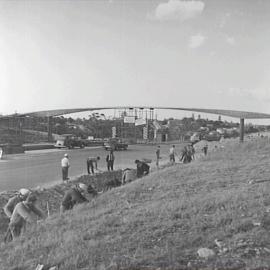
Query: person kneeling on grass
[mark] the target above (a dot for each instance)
(24, 212)
(74, 196)
(13, 201)
(142, 168)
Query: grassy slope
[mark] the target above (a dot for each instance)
(162, 220)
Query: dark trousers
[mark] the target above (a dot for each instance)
(90, 165)
(172, 158)
(65, 173)
(110, 165)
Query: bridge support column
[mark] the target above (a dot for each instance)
(50, 137)
(242, 129)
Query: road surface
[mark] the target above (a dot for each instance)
(40, 168)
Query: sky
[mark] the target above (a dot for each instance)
(178, 53)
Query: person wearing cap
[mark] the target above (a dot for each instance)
(91, 162)
(24, 212)
(142, 168)
(13, 201)
(74, 196)
(65, 165)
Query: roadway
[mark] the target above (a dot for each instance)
(42, 167)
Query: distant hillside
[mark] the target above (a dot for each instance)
(160, 221)
(24, 136)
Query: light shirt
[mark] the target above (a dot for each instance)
(65, 162)
(172, 150)
(23, 213)
(12, 202)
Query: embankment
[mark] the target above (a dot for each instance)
(49, 199)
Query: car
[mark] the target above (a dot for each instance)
(70, 141)
(212, 136)
(115, 144)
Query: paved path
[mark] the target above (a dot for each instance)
(38, 168)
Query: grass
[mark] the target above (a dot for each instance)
(160, 221)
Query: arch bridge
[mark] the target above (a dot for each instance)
(242, 115)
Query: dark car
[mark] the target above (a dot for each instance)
(69, 141)
(212, 136)
(115, 144)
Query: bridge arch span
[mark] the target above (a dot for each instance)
(242, 115)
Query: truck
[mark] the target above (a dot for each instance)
(70, 141)
(196, 137)
(115, 144)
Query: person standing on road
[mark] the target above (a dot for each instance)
(24, 212)
(91, 162)
(205, 148)
(157, 156)
(172, 154)
(74, 196)
(65, 166)
(110, 160)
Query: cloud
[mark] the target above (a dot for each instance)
(178, 10)
(196, 41)
(230, 41)
(260, 94)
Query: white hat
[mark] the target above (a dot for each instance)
(83, 186)
(66, 155)
(24, 191)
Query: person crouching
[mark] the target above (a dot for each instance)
(142, 168)
(24, 212)
(74, 196)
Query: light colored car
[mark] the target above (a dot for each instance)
(60, 144)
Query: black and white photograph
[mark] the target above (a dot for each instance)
(134, 134)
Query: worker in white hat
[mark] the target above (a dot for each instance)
(10, 206)
(13, 201)
(24, 212)
(65, 165)
(74, 196)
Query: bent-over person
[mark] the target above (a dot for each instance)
(128, 175)
(10, 206)
(24, 212)
(13, 201)
(74, 196)
(92, 164)
(142, 168)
